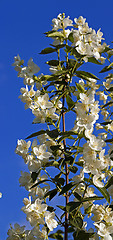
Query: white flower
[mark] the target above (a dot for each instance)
(97, 182)
(51, 114)
(41, 235)
(17, 61)
(29, 235)
(30, 70)
(16, 232)
(43, 101)
(22, 147)
(86, 121)
(26, 96)
(34, 165)
(96, 143)
(59, 103)
(40, 152)
(84, 29)
(50, 221)
(40, 116)
(38, 206)
(102, 96)
(88, 132)
(90, 192)
(98, 211)
(110, 126)
(81, 48)
(25, 180)
(60, 21)
(78, 178)
(80, 21)
(110, 190)
(34, 211)
(87, 98)
(40, 192)
(104, 231)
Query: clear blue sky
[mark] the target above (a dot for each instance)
(22, 24)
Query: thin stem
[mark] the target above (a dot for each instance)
(66, 169)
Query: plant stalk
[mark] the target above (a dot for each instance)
(66, 170)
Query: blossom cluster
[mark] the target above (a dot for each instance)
(95, 160)
(19, 232)
(36, 100)
(85, 39)
(47, 108)
(103, 221)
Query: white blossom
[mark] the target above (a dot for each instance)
(50, 221)
(22, 147)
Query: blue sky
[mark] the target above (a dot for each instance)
(22, 24)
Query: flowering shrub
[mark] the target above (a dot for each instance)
(75, 164)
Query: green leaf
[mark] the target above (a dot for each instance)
(52, 31)
(56, 164)
(68, 133)
(53, 133)
(50, 209)
(71, 206)
(68, 49)
(109, 140)
(82, 235)
(77, 196)
(36, 134)
(79, 163)
(69, 159)
(58, 235)
(94, 60)
(72, 89)
(106, 49)
(70, 230)
(48, 50)
(80, 88)
(54, 62)
(60, 181)
(55, 147)
(51, 193)
(66, 188)
(88, 210)
(56, 34)
(105, 69)
(61, 73)
(110, 75)
(59, 97)
(73, 169)
(92, 198)
(109, 183)
(110, 89)
(77, 55)
(62, 138)
(36, 184)
(34, 176)
(86, 75)
(59, 46)
(70, 102)
(107, 104)
(48, 164)
(70, 37)
(76, 222)
(106, 123)
(104, 193)
(61, 207)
